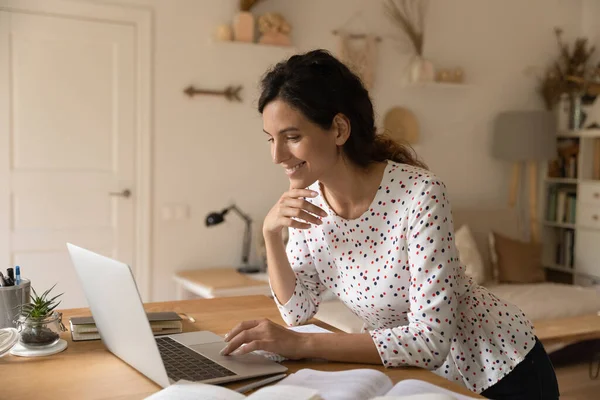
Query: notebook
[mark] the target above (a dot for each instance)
(162, 323)
(309, 384)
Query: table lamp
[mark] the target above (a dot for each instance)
(215, 218)
(530, 137)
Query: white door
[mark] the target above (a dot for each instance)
(67, 125)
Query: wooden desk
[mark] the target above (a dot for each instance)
(86, 370)
(220, 282)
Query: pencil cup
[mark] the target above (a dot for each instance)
(12, 298)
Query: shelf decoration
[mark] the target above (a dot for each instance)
(243, 22)
(450, 75)
(571, 76)
(231, 93)
(409, 17)
(273, 27)
(275, 30)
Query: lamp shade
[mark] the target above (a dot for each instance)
(214, 218)
(525, 136)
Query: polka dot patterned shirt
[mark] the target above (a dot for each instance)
(397, 268)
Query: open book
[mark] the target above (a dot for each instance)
(309, 384)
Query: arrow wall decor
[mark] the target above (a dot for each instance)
(231, 93)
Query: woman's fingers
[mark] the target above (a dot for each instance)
(246, 341)
(305, 205)
(242, 326)
(292, 223)
(301, 214)
(295, 193)
(252, 346)
(237, 341)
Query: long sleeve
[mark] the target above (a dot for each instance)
(433, 261)
(304, 303)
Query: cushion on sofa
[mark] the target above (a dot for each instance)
(469, 254)
(481, 221)
(517, 261)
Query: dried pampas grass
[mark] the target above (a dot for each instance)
(246, 5)
(409, 16)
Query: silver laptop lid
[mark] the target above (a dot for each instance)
(118, 312)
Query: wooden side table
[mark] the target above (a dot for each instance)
(220, 282)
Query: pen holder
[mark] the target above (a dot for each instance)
(12, 298)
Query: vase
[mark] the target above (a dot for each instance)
(577, 115)
(243, 27)
(40, 332)
(422, 70)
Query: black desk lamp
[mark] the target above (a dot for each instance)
(215, 218)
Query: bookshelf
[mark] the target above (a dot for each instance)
(571, 213)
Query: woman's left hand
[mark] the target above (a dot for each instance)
(264, 335)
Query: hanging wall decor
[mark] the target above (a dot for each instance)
(231, 93)
(358, 50)
(402, 125)
(359, 53)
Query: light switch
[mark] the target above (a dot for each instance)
(181, 211)
(167, 213)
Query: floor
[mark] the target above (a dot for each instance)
(575, 384)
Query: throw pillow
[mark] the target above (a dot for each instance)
(517, 261)
(469, 254)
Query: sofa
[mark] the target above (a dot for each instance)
(539, 301)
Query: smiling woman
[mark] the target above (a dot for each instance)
(370, 224)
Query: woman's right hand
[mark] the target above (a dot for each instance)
(292, 205)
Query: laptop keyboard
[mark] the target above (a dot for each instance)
(182, 362)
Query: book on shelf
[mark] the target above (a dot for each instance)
(562, 204)
(310, 384)
(162, 323)
(565, 248)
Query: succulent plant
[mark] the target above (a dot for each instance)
(40, 306)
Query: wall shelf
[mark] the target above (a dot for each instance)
(579, 133)
(559, 224)
(561, 180)
(441, 85)
(560, 268)
(252, 45)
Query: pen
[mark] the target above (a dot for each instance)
(17, 275)
(10, 278)
(258, 384)
(2, 280)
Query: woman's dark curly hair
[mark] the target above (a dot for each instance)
(320, 86)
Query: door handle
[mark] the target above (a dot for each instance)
(125, 193)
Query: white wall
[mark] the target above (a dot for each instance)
(208, 152)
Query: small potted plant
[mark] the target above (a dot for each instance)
(38, 324)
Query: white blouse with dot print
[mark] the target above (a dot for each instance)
(397, 268)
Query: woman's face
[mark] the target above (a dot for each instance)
(302, 148)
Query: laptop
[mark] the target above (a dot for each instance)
(118, 312)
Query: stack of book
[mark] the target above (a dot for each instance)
(562, 205)
(162, 323)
